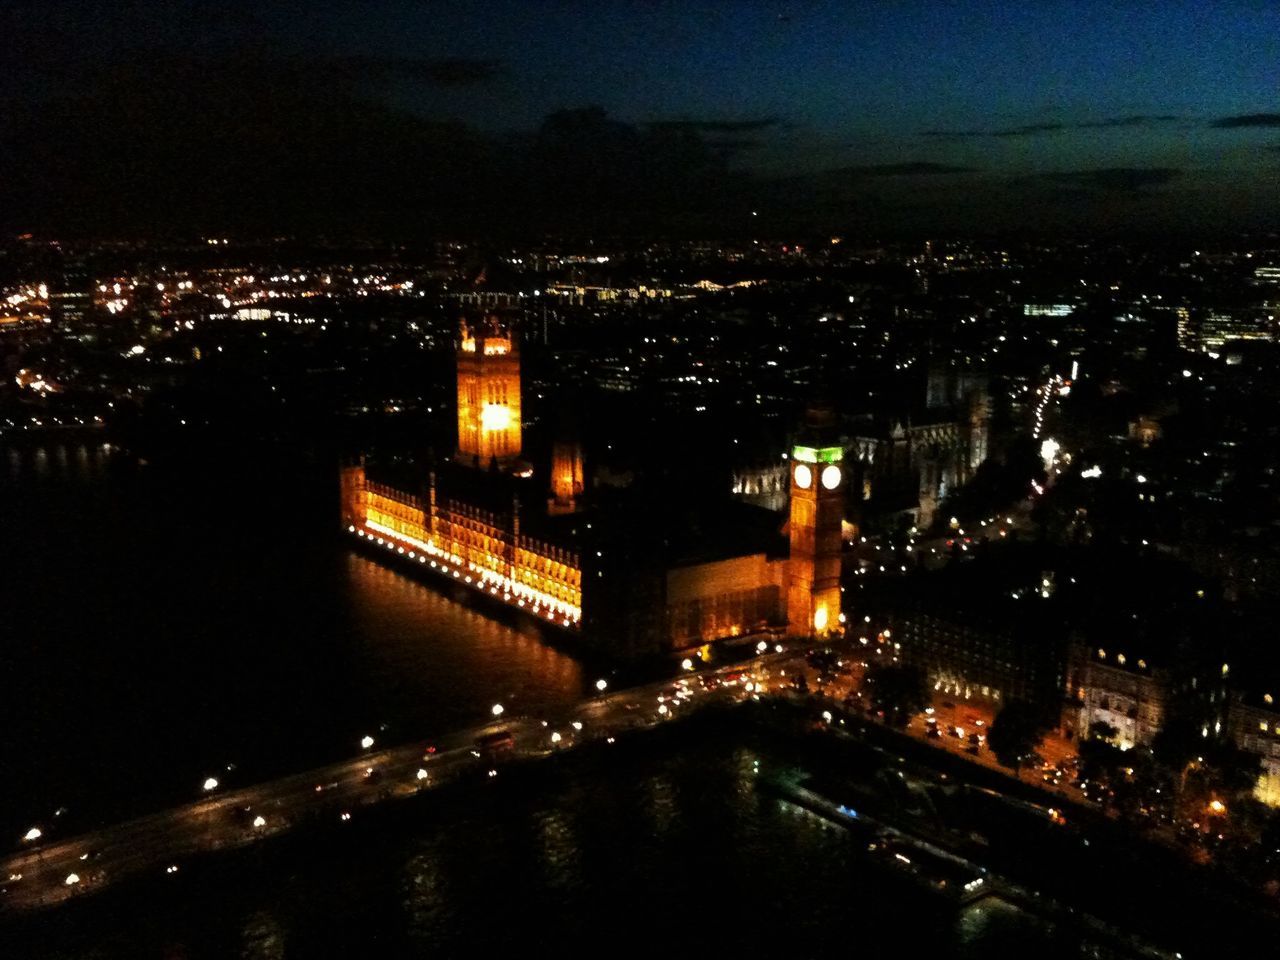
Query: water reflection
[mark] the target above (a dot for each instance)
(262, 937)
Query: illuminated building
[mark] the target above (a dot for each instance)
(817, 513)
(567, 484)
(471, 539)
(1048, 309)
(72, 295)
(764, 484)
(636, 572)
(1219, 329)
(1254, 723)
(1122, 690)
(488, 394)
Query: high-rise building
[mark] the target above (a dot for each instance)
(488, 394)
(817, 515)
(72, 293)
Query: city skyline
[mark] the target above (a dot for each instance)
(470, 470)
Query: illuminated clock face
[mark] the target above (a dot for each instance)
(804, 476)
(831, 476)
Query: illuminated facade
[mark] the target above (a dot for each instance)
(488, 394)
(631, 575)
(817, 513)
(482, 548)
(1120, 690)
(1255, 728)
(567, 486)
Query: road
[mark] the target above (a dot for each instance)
(56, 870)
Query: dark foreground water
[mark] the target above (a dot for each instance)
(161, 622)
(664, 849)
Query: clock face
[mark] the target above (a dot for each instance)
(831, 476)
(803, 476)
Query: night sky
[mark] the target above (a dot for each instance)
(398, 117)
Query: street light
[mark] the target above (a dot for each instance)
(32, 834)
(686, 664)
(259, 821)
(601, 685)
(366, 742)
(497, 709)
(72, 879)
(422, 773)
(211, 784)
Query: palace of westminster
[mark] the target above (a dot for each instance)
(595, 561)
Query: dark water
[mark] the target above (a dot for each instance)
(158, 623)
(654, 852)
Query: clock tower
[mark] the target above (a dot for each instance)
(817, 512)
(488, 394)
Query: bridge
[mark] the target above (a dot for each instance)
(54, 871)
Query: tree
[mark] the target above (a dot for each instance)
(1015, 734)
(1222, 774)
(901, 691)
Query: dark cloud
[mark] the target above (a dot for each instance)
(452, 72)
(1247, 120)
(911, 168)
(718, 126)
(1038, 129)
(1117, 180)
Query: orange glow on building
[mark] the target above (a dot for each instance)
(488, 394)
(566, 477)
(482, 549)
(817, 514)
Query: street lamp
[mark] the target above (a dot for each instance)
(601, 685)
(422, 773)
(686, 664)
(259, 821)
(32, 834)
(366, 742)
(497, 709)
(211, 784)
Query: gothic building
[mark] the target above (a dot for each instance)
(631, 572)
